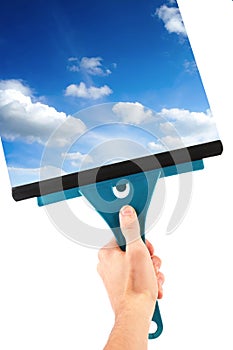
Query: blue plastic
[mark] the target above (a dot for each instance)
(74, 192)
(102, 196)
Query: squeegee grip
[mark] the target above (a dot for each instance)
(156, 318)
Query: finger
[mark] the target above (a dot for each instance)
(101, 254)
(150, 247)
(160, 293)
(98, 268)
(129, 225)
(156, 263)
(110, 247)
(160, 280)
(111, 244)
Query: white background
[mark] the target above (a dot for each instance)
(50, 294)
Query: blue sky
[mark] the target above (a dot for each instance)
(61, 57)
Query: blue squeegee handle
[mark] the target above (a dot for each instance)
(156, 318)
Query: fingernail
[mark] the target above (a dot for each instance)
(127, 210)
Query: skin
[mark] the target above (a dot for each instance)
(133, 283)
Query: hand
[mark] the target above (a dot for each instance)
(132, 278)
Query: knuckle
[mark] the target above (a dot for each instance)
(157, 261)
(161, 277)
(138, 252)
(101, 254)
(98, 268)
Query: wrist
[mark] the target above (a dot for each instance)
(140, 307)
(130, 329)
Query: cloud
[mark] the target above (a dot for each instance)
(190, 66)
(156, 147)
(183, 127)
(173, 142)
(21, 176)
(93, 66)
(89, 65)
(172, 19)
(23, 117)
(92, 92)
(172, 128)
(73, 68)
(132, 112)
(187, 122)
(179, 128)
(72, 59)
(76, 158)
(167, 143)
(16, 85)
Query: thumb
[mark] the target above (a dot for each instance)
(129, 224)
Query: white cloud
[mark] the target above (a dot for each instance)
(76, 158)
(190, 66)
(72, 59)
(73, 68)
(186, 121)
(89, 65)
(92, 92)
(156, 147)
(29, 171)
(174, 142)
(172, 128)
(16, 85)
(21, 176)
(93, 66)
(24, 118)
(179, 128)
(191, 127)
(172, 19)
(132, 112)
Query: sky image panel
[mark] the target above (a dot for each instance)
(80, 74)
